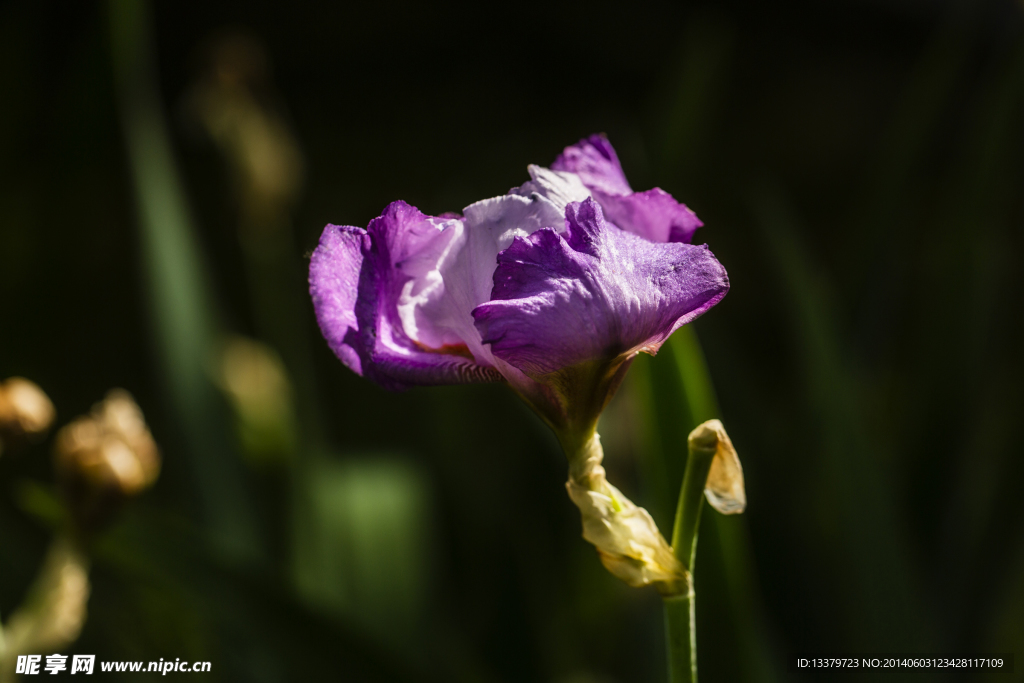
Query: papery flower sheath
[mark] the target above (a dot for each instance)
(552, 287)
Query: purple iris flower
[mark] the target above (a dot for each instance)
(553, 287)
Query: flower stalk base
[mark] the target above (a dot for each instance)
(681, 637)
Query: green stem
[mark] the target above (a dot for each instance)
(680, 610)
(681, 634)
(691, 502)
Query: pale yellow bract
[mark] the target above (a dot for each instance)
(628, 541)
(626, 537)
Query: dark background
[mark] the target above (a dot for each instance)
(858, 166)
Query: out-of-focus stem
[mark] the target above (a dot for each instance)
(54, 610)
(694, 376)
(183, 317)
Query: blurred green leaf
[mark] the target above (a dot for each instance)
(40, 501)
(183, 317)
(883, 602)
(363, 540)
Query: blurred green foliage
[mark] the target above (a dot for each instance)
(858, 166)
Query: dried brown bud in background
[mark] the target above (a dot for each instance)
(235, 104)
(25, 410)
(104, 458)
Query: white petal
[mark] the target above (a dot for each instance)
(467, 273)
(454, 272)
(427, 286)
(559, 187)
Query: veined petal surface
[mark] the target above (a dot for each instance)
(593, 292)
(653, 214)
(368, 288)
(594, 160)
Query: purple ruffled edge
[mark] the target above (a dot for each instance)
(654, 214)
(355, 286)
(553, 303)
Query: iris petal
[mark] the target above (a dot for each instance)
(594, 160)
(524, 285)
(489, 227)
(654, 214)
(366, 285)
(594, 292)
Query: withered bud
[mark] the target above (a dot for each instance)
(233, 104)
(625, 535)
(725, 490)
(25, 410)
(105, 457)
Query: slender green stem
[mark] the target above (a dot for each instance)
(680, 610)
(691, 502)
(681, 634)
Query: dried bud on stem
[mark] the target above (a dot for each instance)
(25, 410)
(626, 537)
(233, 103)
(724, 488)
(104, 458)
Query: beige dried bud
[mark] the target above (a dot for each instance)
(724, 488)
(104, 457)
(230, 103)
(626, 537)
(25, 410)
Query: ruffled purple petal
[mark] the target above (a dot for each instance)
(596, 163)
(334, 285)
(366, 286)
(654, 214)
(593, 293)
